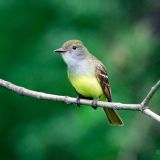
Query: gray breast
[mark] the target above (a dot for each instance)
(81, 67)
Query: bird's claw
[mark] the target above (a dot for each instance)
(78, 101)
(94, 104)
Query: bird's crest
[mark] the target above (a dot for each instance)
(71, 43)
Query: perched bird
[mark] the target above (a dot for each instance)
(88, 76)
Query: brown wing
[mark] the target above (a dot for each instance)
(102, 76)
(112, 115)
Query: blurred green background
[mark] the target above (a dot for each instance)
(124, 34)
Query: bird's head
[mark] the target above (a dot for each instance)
(72, 51)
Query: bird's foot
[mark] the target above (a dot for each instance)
(94, 104)
(78, 101)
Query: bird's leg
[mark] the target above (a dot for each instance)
(78, 100)
(94, 103)
(80, 96)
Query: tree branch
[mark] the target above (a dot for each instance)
(151, 93)
(70, 100)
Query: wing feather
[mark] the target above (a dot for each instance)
(102, 76)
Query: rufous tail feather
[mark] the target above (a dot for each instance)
(113, 117)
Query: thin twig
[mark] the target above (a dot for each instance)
(152, 114)
(70, 100)
(151, 93)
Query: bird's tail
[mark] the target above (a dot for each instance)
(113, 117)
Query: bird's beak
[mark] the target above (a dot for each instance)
(60, 50)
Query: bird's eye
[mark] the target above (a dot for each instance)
(74, 47)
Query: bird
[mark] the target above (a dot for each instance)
(88, 76)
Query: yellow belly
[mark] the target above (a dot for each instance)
(87, 86)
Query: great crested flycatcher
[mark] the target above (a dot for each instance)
(88, 76)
